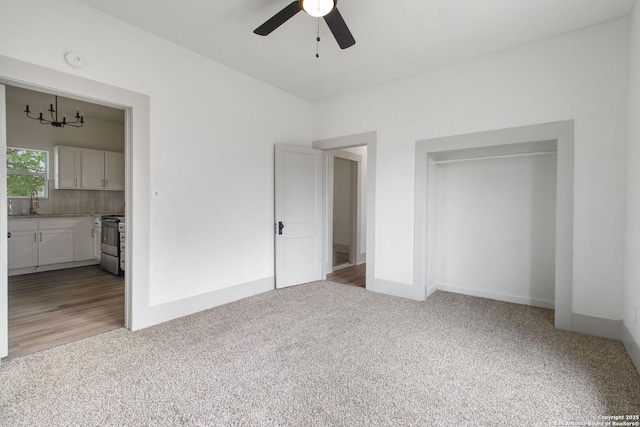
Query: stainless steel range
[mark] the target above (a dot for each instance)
(110, 239)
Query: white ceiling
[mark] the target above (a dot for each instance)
(394, 39)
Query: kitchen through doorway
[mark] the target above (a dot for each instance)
(61, 181)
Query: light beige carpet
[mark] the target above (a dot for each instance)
(325, 354)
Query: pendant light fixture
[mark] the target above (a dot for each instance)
(318, 8)
(54, 118)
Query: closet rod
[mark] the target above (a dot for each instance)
(497, 156)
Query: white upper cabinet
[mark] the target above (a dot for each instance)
(67, 167)
(92, 170)
(114, 171)
(80, 168)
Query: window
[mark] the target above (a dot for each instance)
(26, 171)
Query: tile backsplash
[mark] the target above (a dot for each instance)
(71, 202)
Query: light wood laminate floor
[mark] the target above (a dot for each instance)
(57, 307)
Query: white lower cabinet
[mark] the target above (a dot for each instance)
(22, 249)
(83, 238)
(46, 242)
(55, 246)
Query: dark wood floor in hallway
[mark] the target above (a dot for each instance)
(57, 307)
(340, 258)
(354, 275)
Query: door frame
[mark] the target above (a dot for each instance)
(4, 287)
(370, 139)
(136, 111)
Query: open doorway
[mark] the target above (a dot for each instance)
(314, 168)
(137, 116)
(57, 290)
(345, 192)
(347, 170)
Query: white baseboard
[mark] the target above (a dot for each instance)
(397, 289)
(631, 344)
(184, 307)
(496, 296)
(51, 267)
(597, 326)
(581, 323)
(431, 290)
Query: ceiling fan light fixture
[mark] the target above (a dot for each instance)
(325, 9)
(318, 8)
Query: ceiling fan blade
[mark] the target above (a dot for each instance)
(278, 19)
(339, 29)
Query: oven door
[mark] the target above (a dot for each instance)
(109, 239)
(110, 263)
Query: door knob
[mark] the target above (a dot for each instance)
(280, 227)
(9, 235)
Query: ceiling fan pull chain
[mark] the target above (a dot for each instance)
(318, 40)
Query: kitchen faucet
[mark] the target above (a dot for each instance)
(34, 203)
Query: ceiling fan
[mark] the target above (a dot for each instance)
(317, 8)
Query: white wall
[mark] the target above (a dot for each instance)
(496, 228)
(341, 202)
(212, 131)
(632, 255)
(580, 75)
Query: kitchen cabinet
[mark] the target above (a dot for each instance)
(22, 246)
(114, 171)
(85, 169)
(92, 176)
(67, 167)
(83, 238)
(31, 244)
(50, 241)
(55, 246)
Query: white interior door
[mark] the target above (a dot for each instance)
(298, 215)
(4, 309)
